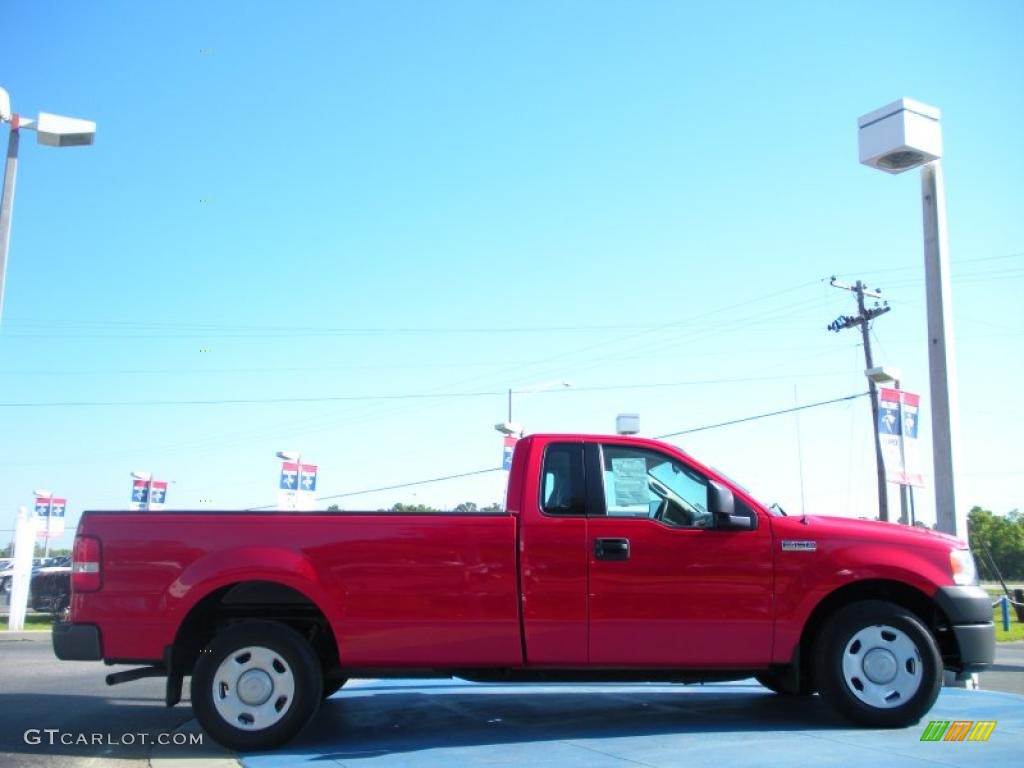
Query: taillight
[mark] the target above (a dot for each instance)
(86, 575)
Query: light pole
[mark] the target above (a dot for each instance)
(514, 429)
(903, 135)
(51, 130)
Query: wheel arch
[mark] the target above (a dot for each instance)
(892, 591)
(260, 598)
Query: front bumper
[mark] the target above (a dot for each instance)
(969, 610)
(76, 642)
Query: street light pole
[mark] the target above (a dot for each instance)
(896, 138)
(941, 361)
(51, 130)
(7, 206)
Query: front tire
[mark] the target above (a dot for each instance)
(256, 685)
(878, 665)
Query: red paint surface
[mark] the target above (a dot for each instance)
(471, 591)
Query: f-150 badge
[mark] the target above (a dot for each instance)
(799, 546)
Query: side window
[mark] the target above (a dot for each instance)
(562, 486)
(643, 483)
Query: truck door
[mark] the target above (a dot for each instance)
(667, 586)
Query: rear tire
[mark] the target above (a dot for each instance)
(878, 665)
(256, 685)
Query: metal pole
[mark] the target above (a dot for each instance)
(46, 536)
(941, 359)
(510, 405)
(7, 207)
(904, 514)
(865, 331)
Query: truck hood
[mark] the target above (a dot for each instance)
(867, 530)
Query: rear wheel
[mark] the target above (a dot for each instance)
(878, 665)
(256, 685)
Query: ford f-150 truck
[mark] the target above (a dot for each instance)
(616, 559)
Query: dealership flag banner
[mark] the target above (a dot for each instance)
(510, 446)
(140, 495)
(157, 494)
(897, 436)
(296, 487)
(49, 516)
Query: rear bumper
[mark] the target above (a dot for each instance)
(969, 610)
(76, 642)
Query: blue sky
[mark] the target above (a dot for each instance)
(356, 200)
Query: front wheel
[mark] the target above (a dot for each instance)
(256, 685)
(878, 665)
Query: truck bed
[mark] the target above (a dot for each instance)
(397, 589)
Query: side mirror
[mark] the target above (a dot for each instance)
(723, 507)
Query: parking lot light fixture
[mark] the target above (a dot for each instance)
(896, 138)
(51, 130)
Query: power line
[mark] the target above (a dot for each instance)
(393, 487)
(497, 469)
(407, 396)
(762, 416)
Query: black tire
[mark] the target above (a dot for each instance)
(774, 682)
(256, 654)
(878, 665)
(332, 685)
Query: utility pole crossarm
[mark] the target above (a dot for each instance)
(864, 316)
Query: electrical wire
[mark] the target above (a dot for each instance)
(762, 416)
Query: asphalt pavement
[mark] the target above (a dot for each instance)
(423, 724)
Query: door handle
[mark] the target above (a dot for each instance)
(611, 549)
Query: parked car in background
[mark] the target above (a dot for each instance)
(50, 589)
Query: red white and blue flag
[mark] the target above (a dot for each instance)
(510, 446)
(897, 436)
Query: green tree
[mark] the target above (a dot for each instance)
(416, 508)
(1000, 538)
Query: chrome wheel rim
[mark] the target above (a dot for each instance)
(253, 688)
(882, 666)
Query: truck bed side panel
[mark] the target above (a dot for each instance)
(397, 589)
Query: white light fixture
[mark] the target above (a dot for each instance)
(900, 136)
(510, 428)
(882, 374)
(288, 455)
(627, 423)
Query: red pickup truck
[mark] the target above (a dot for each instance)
(617, 559)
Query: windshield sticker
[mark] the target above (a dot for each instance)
(630, 482)
(799, 546)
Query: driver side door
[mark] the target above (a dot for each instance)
(666, 586)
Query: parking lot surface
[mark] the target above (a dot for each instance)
(380, 724)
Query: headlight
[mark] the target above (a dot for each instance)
(962, 563)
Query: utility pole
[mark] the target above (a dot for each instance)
(845, 321)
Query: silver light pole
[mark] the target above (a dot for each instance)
(51, 130)
(896, 138)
